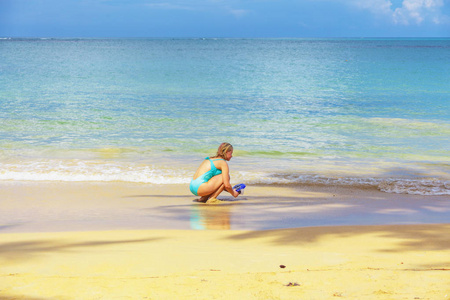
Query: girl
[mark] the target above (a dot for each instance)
(213, 176)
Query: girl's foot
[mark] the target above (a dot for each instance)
(203, 199)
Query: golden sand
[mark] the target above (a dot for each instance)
(364, 262)
(337, 262)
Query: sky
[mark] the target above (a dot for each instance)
(225, 18)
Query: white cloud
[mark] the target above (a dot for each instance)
(238, 12)
(417, 11)
(375, 6)
(410, 11)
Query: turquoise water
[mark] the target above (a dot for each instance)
(319, 111)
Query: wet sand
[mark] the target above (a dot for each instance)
(62, 206)
(126, 241)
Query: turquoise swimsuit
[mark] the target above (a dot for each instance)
(195, 183)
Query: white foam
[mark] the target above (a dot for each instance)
(426, 187)
(91, 171)
(108, 171)
(418, 187)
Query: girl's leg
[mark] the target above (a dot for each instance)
(213, 195)
(211, 189)
(217, 193)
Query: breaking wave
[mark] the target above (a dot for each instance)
(102, 171)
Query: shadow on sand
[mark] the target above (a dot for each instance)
(413, 237)
(27, 250)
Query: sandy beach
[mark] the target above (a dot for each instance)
(135, 241)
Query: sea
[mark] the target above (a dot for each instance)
(357, 112)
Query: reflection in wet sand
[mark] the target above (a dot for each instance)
(212, 217)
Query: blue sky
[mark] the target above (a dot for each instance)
(225, 18)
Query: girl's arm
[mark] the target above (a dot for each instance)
(226, 180)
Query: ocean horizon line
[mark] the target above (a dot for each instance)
(223, 38)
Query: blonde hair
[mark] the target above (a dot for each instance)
(223, 149)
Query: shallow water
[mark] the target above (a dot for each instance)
(318, 111)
